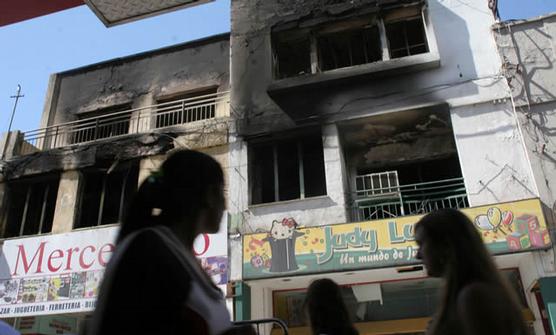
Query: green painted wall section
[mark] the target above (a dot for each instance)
(548, 292)
(242, 302)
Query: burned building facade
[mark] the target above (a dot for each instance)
(355, 118)
(338, 123)
(66, 186)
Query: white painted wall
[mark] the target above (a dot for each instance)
(491, 152)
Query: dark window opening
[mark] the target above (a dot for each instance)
(287, 170)
(423, 171)
(31, 206)
(104, 197)
(190, 107)
(406, 38)
(349, 48)
(409, 189)
(104, 123)
(292, 57)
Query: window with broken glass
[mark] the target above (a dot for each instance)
(30, 206)
(105, 194)
(362, 40)
(287, 169)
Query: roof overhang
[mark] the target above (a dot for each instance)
(114, 12)
(13, 11)
(110, 12)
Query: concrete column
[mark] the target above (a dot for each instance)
(3, 207)
(149, 165)
(66, 202)
(222, 108)
(335, 171)
(15, 143)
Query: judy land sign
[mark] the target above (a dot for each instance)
(289, 249)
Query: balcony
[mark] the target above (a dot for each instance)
(124, 123)
(378, 196)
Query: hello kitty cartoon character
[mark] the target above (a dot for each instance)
(282, 237)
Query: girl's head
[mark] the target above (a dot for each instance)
(187, 192)
(326, 310)
(449, 244)
(451, 247)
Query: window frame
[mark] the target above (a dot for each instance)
(208, 95)
(104, 175)
(352, 24)
(31, 185)
(274, 143)
(80, 134)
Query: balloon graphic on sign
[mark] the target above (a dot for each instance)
(493, 220)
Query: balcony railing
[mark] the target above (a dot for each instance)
(413, 199)
(126, 122)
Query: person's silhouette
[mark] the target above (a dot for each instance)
(326, 310)
(476, 300)
(153, 283)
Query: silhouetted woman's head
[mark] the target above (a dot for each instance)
(187, 191)
(326, 309)
(450, 246)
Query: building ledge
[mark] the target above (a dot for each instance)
(384, 68)
(301, 89)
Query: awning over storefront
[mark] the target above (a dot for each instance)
(288, 251)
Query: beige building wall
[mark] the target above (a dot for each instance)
(66, 202)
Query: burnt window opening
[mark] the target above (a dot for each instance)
(406, 37)
(349, 48)
(287, 169)
(360, 40)
(187, 107)
(292, 57)
(104, 123)
(104, 197)
(422, 171)
(31, 206)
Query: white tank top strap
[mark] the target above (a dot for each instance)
(204, 298)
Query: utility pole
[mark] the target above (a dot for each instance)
(16, 97)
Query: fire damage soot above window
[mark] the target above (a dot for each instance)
(31, 206)
(287, 169)
(104, 196)
(359, 40)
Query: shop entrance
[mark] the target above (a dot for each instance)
(386, 308)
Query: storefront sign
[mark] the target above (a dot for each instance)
(61, 273)
(47, 325)
(289, 249)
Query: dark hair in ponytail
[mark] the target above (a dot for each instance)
(178, 189)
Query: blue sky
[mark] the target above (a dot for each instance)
(33, 49)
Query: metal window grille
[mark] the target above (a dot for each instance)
(122, 123)
(391, 200)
